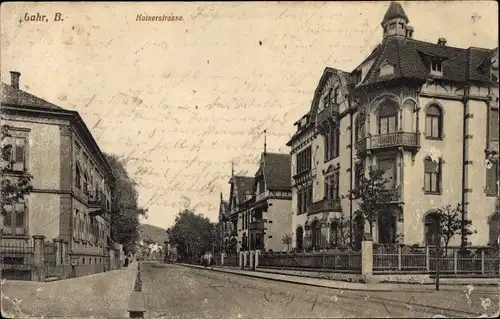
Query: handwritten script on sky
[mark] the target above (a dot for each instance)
(178, 101)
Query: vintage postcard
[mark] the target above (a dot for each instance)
(250, 159)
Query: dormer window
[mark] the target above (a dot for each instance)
(436, 67)
(386, 68)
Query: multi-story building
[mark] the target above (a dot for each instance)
(266, 217)
(240, 192)
(425, 113)
(71, 196)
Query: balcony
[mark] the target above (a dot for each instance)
(256, 226)
(410, 141)
(325, 205)
(392, 195)
(97, 200)
(331, 111)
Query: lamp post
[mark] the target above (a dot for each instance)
(438, 242)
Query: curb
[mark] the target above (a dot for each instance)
(451, 312)
(329, 287)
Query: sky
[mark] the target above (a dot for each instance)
(180, 100)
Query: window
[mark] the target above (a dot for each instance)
(494, 124)
(331, 140)
(334, 234)
(14, 221)
(388, 165)
(85, 183)
(331, 187)
(14, 153)
(358, 175)
(360, 127)
(388, 118)
(432, 178)
(75, 223)
(492, 179)
(78, 176)
(336, 95)
(304, 199)
(386, 69)
(316, 233)
(433, 122)
(328, 98)
(304, 160)
(262, 187)
(436, 67)
(430, 229)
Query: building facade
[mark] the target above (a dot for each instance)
(239, 195)
(426, 114)
(266, 218)
(71, 196)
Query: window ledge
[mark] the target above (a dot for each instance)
(491, 194)
(432, 193)
(434, 138)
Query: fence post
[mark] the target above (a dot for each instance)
(38, 260)
(482, 261)
(455, 261)
(222, 259)
(58, 244)
(427, 258)
(241, 260)
(399, 257)
(367, 258)
(257, 254)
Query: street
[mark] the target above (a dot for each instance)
(175, 291)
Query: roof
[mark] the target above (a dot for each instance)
(10, 95)
(408, 56)
(395, 11)
(20, 99)
(277, 170)
(244, 184)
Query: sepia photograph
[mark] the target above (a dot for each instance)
(309, 159)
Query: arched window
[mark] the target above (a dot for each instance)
(433, 122)
(316, 234)
(258, 241)
(299, 237)
(334, 233)
(388, 117)
(430, 223)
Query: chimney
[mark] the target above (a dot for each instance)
(442, 41)
(14, 79)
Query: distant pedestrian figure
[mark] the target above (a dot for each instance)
(126, 262)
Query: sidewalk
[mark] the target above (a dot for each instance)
(345, 285)
(103, 295)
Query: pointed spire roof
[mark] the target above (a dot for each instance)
(395, 11)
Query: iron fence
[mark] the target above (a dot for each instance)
(17, 260)
(233, 261)
(482, 261)
(342, 261)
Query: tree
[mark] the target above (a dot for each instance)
(287, 240)
(450, 223)
(125, 211)
(193, 234)
(373, 196)
(16, 186)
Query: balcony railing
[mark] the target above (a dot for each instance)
(392, 195)
(257, 226)
(406, 140)
(325, 205)
(97, 200)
